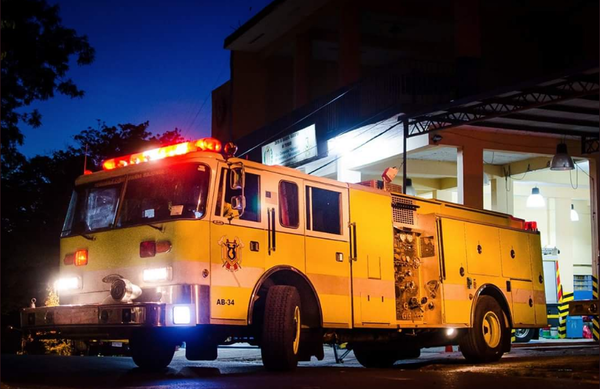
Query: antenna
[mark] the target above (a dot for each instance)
(85, 159)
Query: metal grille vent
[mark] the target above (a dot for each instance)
(403, 210)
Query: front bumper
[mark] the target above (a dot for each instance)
(100, 321)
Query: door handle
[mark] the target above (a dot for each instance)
(353, 244)
(273, 239)
(269, 231)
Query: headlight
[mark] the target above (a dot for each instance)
(450, 332)
(157, 274)
(67, 283)
(181, 314)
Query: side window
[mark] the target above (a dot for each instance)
(289, 212)
(251, 191)
(325, 210)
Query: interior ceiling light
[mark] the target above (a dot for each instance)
(535, 199)
(574, 214)
(562, 160)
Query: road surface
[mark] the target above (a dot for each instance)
(537, 365)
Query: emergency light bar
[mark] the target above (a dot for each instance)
(204, 144)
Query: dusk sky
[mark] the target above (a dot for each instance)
(155, 61)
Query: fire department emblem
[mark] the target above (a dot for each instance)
(231, 253)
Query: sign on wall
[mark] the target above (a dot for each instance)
(291, 149)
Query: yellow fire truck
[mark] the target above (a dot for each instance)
(186, 243)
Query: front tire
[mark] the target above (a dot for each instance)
(484, 342)
(281, 331)
(151, 352)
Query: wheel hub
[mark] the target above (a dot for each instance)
(297, 326)
(491, 329)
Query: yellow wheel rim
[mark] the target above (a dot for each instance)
(491, 329)
(297, 328)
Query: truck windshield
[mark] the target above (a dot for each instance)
(174, 192)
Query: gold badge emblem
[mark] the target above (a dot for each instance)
(231, 253)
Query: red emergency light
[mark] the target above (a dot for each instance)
(204, 144)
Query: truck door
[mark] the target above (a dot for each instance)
(327, 250)
(374, 301)
(284, 205)
(238, 246)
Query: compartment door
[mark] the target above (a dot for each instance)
(374, 301)
(483, 249)
(522, 301)
(457, 306)
(538, 281)
(515, 254)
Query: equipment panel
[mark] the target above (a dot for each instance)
(417, 275)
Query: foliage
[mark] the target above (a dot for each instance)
(52, 300)
(36, 49)
(58, 346)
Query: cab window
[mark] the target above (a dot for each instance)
(251, 191)
(289, 212)
(325, 210)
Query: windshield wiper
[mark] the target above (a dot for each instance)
(159, 228)
(88, 237)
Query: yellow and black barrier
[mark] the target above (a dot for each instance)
(563, 312)
(513, 338)
(595, 326)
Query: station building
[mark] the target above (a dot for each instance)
(469, 99)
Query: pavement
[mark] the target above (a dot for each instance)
(547, 364)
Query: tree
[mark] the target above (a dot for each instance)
(36, 49)
(35, 203)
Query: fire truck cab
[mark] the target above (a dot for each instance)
(185, 243)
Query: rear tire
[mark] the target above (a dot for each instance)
(523, 335)
(151, 352)
(376, 358)
(409, 353)
(281, 331)
(484, 342)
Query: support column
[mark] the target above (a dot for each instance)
(470, 176)
(349, 54)
(502, 200)
(302, 57)
(594, 194)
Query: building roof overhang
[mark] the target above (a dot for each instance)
(564, 104)
(270, 23)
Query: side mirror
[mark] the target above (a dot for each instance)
(238, 203)
(237, 177)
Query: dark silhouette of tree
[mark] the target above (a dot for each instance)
(36, 49)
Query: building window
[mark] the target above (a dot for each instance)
(325, 210)
(251, 192)
(289, 212)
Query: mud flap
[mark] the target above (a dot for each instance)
(200, 349)
(311, 343)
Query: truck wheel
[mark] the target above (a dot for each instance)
(376, 358)
(523, 335)
(281, 328)
(151, 353)
(409, 353)
(484, 342)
